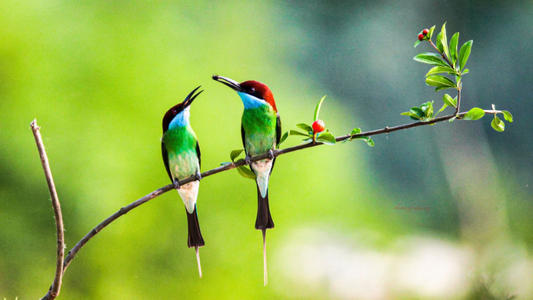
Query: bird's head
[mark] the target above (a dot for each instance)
(178, 115)
(253, 93)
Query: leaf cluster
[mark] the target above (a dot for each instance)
(497, 124)
(448, 68)
(448, 63)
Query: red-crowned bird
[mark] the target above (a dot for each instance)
(261, 132)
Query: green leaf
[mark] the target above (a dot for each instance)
(439, 81)
(439, 43)
(283, 138)
(369, 141)
(326, 138)
(356, 131)
(246, 172)
(443, 39)
(295, 132)
(430, 33)
(448, 100)
(440, 70)
(453, 47)
(317, 108)
(411, 115)
(497, 124)
(305, 127)
(416, 113)
(235, 153)
(443, 88)
(464, 53)
(417, 43)
(430, 58)
(507, 116)
(475, 113)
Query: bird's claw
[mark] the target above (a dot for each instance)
(198, 175)
(248, 160)
(270, 154)
(176, 183)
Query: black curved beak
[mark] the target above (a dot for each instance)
(190, 98)
(229, 82)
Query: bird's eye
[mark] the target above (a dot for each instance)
(252, 89)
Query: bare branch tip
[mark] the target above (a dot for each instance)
(34, 125)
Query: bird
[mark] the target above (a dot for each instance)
(182, 159)
(261, 133)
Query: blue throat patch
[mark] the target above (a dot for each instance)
(250, 101)
(180, 120)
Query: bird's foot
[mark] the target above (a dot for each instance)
(270, 154)
(248, 160)
(198, 175)
(176, 183)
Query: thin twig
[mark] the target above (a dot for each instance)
(72, 253)
(56, 285)
(441, 53)
(459, 89)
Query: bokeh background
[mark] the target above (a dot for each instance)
(438, 212)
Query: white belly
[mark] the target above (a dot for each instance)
(262, 171)
(189, 193)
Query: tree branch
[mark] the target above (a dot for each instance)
(53, 292)
(122, 211)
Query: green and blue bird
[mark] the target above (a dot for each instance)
(181, 156)
(260, 132)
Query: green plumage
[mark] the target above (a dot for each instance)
(259, 126)
(181, 146)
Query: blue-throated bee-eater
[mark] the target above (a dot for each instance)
(181, 156)
(260, 132)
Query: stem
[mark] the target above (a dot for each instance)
(55, 288)
(442, 54)
(459, 89)
(459, 84)
(122, 211)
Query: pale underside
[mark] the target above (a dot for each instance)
(180, 143)
(262, 170)
(182, 166)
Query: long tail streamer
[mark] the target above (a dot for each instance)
(265, 271)
(198, 261)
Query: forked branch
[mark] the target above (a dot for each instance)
(56, 285)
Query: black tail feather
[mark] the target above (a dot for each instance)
(195, 238)
(264, 219)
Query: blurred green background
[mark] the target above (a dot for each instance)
(99, 76)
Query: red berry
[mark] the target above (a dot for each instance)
(425, 32)
(318, 126)
(421, 37)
